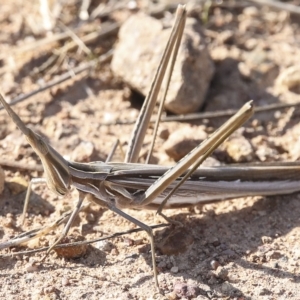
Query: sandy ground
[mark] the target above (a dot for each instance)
(238, 249)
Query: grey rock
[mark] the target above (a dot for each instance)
(183, 140)
(142, 40)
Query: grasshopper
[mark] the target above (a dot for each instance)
(143, 186)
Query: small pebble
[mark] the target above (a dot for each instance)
(174, 269)
(169, 244)
(65, 281)
(214, 241)
(222, 273)
(8, 222)
(183, 140)
(164, 133)
(273, 255)
(227, 288)
(17, 185)
(251, 11)
(83, 152)
(239, 149)
(132, 5)
(49, 290)
(162, 265)
(214, 264)
(266, 239)
(139, 242)
(114, 252)
(31, 267)
(104, 246)
(91, 218)
(129, 242)
(143, 248)
(72, 251)
(171, 296)
(185, 291)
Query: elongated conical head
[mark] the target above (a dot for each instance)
(55, 166)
